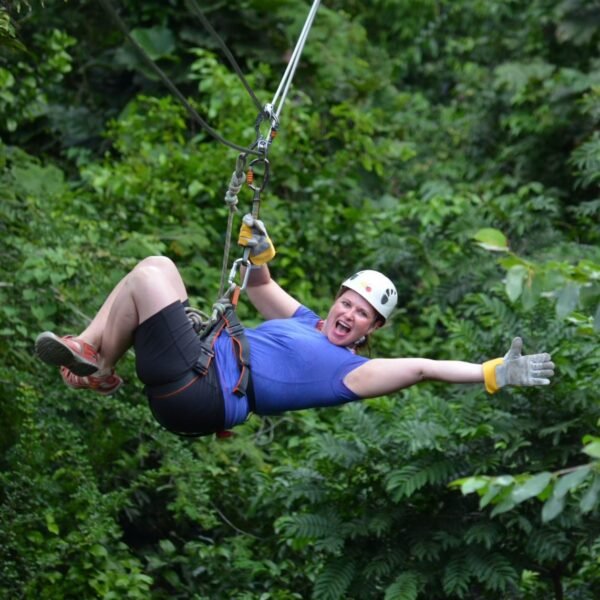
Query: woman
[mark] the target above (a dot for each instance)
(297, 360)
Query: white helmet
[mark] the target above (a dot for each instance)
(376, 289)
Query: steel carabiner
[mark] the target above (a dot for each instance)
(265, 175)
(237, 264)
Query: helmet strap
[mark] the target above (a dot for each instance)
(360, 341)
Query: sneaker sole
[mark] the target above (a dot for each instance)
(53, 351)
(86, 385)
(110, 392)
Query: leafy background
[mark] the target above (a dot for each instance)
(453, 145)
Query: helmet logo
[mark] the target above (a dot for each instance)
(387, 295)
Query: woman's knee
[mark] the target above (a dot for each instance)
(151, 289)
(159, 274)
(162, 263)
(146, 275)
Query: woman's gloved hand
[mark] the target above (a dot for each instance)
(516, 369)
(253, 235)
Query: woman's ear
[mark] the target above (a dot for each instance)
(376, 325)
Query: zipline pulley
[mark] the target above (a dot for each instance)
(263, 141)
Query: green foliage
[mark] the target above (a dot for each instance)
(573, 286)
(25, 85)
(405, 587)
(333, 582)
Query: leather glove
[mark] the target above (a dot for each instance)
(253, 235)
(516, 369)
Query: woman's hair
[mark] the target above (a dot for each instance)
(364, 343)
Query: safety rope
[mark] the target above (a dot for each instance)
(236, 182)
(195, 9)
(170, 85)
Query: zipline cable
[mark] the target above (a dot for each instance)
(270, 111)
(273, 110)
(286, 80)
(172, 88)
(195, 9)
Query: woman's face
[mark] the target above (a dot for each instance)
(350, 318)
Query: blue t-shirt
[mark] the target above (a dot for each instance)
(294, 366)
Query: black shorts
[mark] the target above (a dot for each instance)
(182, 401)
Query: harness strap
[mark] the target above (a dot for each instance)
(169, 390)
(207, 342)
(227, 320)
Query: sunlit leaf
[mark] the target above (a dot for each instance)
(514, 281)
(592, 449)
(491, 239)
(473, 484)
(491, 493)
(504, 480)
(570, 481)
(567, 301)
(532, 487)
(552, 508)
(590, 498)
(503, 507)
(51, 524)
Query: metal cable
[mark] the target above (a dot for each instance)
(272, 113)
(198, 12)
(286, 80)
(191, 110)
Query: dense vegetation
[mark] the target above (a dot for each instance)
(453, 145)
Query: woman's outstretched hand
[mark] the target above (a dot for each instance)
(528, 370)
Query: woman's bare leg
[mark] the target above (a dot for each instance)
(153, 284)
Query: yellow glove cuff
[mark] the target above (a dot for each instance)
(245, 235)
(489, 375)
(265, 256)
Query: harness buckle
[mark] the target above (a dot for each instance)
(235, 329)
(203, 361)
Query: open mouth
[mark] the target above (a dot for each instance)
(341, 328)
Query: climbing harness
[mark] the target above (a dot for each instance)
(223, 316)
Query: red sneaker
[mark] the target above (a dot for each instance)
(103, 384)
(78, 356)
